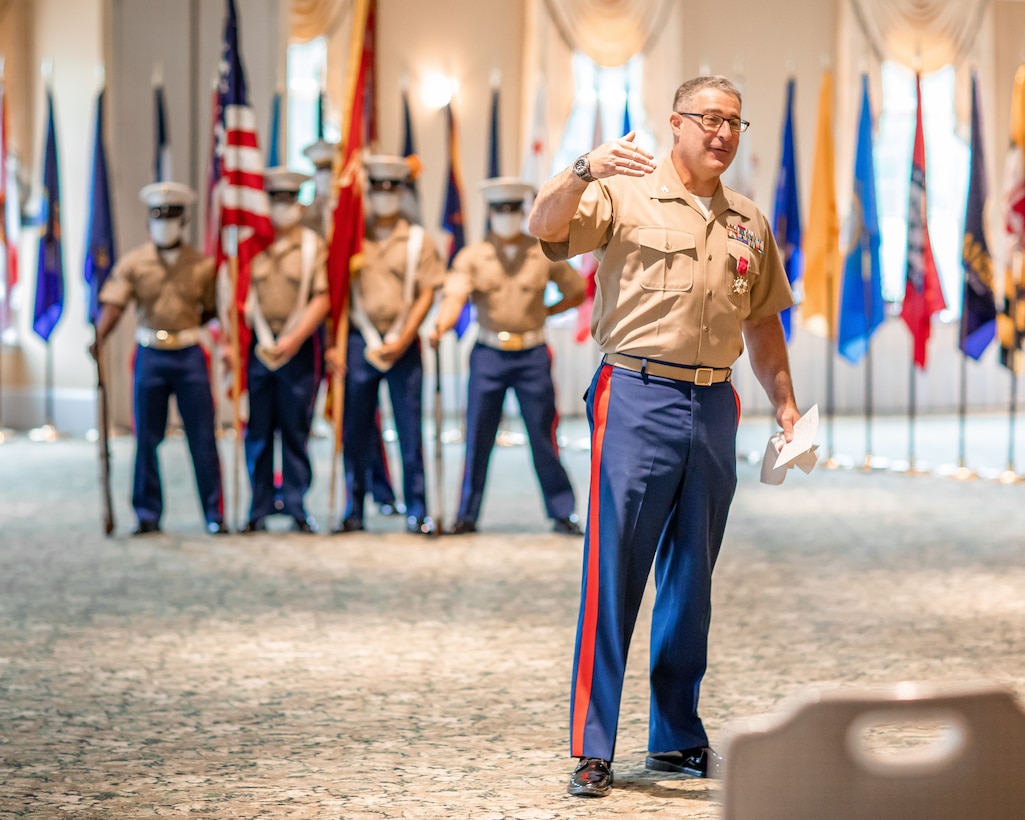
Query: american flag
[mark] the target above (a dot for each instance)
(238, 168)
(10, 220)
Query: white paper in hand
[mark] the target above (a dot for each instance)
(805, 430)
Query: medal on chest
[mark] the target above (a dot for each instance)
(741, 283)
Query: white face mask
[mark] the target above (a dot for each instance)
(322, 181)
(384, 203)
(285, 214)
(165, 233)
(507, 225)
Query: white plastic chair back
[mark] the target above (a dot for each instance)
(824, 757)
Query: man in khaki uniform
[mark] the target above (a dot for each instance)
(318, 215)
(288, 301)
(391, 293)
(173, 287)
(688, 271)
(506, 276)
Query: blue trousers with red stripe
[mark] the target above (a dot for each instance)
(281, 408)
(184, 373)
(528, 373)
(663, 475)
(360, 431)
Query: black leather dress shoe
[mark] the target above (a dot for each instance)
(216, 528)
(461, 527)
(391, 508)
(698, 762)
(423, 525)
(255, 525)
(304, 525)
(591, 778)
(146, 527)
(350, 524)
(567, 526)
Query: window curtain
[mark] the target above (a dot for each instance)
(924, 35)
(610, 32)
(312, 18)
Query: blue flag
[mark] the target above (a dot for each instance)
(452, 217)
(162, 144)
(494, 165)
(274, 138)
(978, 305)
(786, 222)
(861, 290)
(99, 242)
(627, 125)
(493, 146)
(50, 267)
(409, 152)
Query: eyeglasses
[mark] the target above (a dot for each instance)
(713, 122)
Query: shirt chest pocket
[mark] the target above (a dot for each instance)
(668, 256)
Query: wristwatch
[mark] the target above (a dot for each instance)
(582, 168)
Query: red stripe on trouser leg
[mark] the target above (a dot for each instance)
(585, 661)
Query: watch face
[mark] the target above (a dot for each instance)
(582, 169)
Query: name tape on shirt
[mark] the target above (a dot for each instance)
(748, 237)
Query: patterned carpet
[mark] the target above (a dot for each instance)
(383, 675)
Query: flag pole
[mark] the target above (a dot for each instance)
(1009, 476)
(439, 466)
(231, 247)
(866, 281)
(831, 462)
(962, 473)
(337, 408)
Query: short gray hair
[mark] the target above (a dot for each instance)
(685, 93)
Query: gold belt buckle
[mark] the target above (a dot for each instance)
(165, 338)
(703, 376)
(510, 341)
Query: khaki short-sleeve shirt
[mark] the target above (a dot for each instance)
(277, 272)
(509, 292)
(381, 279)
(672, 284)
(168, 297)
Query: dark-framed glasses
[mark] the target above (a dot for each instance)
(713, 122)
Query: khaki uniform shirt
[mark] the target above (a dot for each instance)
(510, 293)
(381, 280)
(277, 272)
(168, 297)
(671, 282)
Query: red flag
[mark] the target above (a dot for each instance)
(358, 131)
(244, 206)
(10, 220)
(923, 295)
(211, 230)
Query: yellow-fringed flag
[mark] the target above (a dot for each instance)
(1011, 319)
(821, 244)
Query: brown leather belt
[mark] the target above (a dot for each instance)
(701, 376)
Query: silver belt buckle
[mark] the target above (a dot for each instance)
(703, 376)
(510, 341)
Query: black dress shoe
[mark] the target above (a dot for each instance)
(306, 525)
(424, 525)
(350, 524)
(255, 525)
(391, 508)
(146, 527)
(591, 778)
(567, 526)
(462, 527)
(216, 528)
(698, 762)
